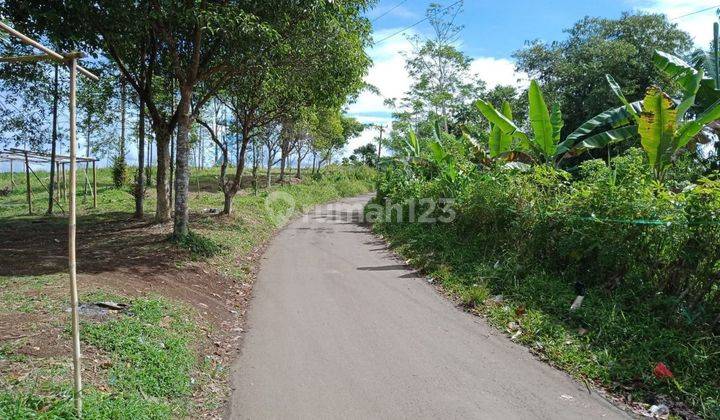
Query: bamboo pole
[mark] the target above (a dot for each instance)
(94, 188)
(64, 183)
(12, 176)
(25, 58)
(58, 193)
(27, 184)
(72, 229)
(51, 55)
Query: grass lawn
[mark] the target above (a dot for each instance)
(166, 355)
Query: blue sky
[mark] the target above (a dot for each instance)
(493, 31)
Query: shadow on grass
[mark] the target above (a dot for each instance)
(105, 242)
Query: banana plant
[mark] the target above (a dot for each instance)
(546, 126)
(412, 145)
(500, 143)
(621, 123)
(663, 129)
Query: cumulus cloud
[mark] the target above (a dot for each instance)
(698, 25)
(389, 75)
(498, 71)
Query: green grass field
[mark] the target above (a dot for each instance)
(152, 362)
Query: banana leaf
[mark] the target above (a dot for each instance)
(498, 119)
(540, 121)
(500, 142)
(657, 128)
(612, 118)
(692, 128)
(610, 137)
(618, 92)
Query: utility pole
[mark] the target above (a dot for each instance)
(381, 129)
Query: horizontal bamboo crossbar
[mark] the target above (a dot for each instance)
(49, 54)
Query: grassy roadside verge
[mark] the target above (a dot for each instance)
(159, 358)
(614, 340)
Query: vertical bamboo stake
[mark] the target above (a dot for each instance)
(12, 176)
(27, 184)
(58, 193)
(71, 240)
(94, 191)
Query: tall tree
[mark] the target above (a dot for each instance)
(573, 71)
(441, 76)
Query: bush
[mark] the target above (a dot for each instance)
(612, 225)
(199, 246)
(119, 171)
(646, 255)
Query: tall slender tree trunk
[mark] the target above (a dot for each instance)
(123, 100)
(282, 164)
(182, 175)
(53, 152)
(140, 184)
(269, 168)
(162, 187)
(299, 161)
(256, 164)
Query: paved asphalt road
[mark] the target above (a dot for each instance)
(339, 329)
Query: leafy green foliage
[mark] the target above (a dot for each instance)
(499, 141)
(648, 257)
(198, 245)
(570, 70)
(367, 154)
(119, 171)
(545, 142)
(657, 129)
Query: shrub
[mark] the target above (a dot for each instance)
(198, 245)
(119, 171)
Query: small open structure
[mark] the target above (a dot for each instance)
(62, 162)
(70, 60)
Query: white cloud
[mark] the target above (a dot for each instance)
(498, 71)
(367, 136)
(389, 75)
(698, 25)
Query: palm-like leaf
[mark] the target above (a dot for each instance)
(606, 138)
(499, 141)
(692, 128)
(615, 87)
(412, 145)
(540, 122)
(610, 119)
(498, 119)
(657, 129)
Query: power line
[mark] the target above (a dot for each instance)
(415, 24)
(389, 10)
(695, 12)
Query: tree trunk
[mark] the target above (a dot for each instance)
(123, 99)
(227, 205)
(140, 185)
(299, 161)
(256, 164)
(232, 191)
(53, 152)
(163, 206)
(282, 167)
(182, 174)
